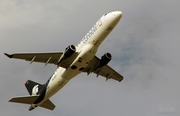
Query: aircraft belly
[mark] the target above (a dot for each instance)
(55, 85)
(85, 55)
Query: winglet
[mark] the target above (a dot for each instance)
(8, 55)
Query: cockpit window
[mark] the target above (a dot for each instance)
(105, 14)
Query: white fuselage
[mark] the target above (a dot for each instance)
(86, 49)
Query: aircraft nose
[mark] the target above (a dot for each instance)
(117, 14)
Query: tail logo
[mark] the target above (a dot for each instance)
(35, 90)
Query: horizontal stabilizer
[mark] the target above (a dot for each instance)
(24, 99)
(48, 105)
(8, 55)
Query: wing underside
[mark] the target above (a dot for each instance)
(105, 71)
(54, 58)
(47, 58)
(51, 58)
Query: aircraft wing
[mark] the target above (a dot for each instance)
(105, 71)
(47, 58)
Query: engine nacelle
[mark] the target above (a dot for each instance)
(105, 59)
(69, 51)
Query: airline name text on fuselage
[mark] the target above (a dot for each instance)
(92, 31)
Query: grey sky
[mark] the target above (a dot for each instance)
(144, 45)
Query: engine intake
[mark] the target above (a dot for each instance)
(105, 59)
(69, 51)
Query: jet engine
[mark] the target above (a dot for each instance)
(105, 59)
(69, 51)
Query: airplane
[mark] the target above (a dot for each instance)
(70, 63)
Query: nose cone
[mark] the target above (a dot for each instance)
(117, 14)
(112, 18)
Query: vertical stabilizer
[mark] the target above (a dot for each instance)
(33, 87)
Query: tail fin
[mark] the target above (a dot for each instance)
(33, 87)
(37, 92)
